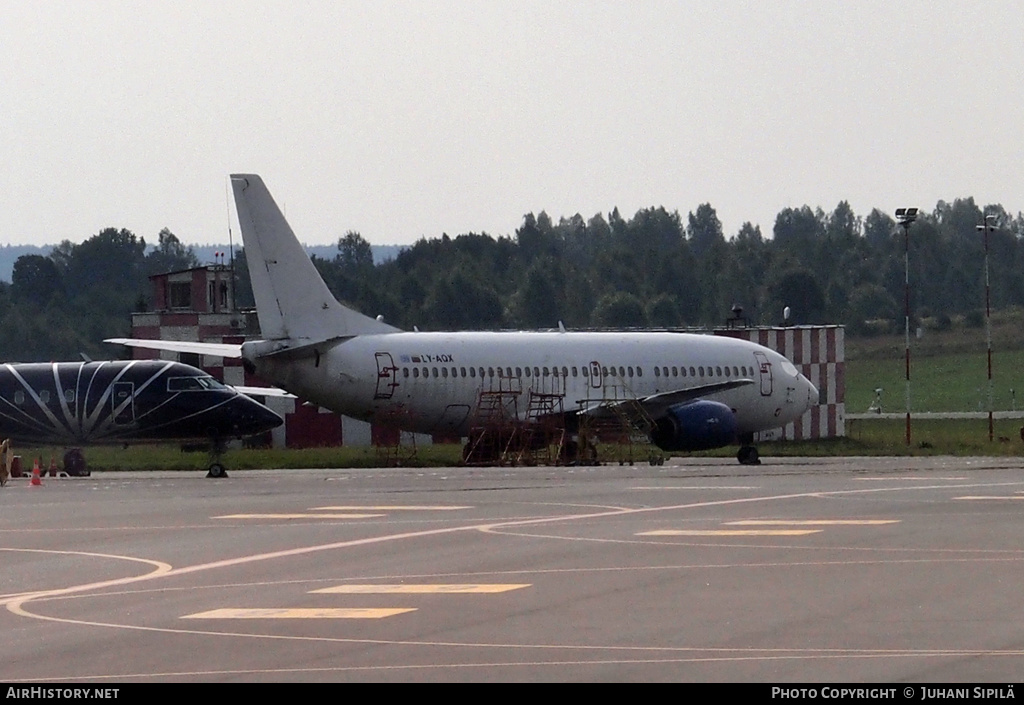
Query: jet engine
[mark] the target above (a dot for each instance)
(697, 425)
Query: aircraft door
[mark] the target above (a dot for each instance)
(122, 403)
(765, 369)
(595, 375)
(387, 376)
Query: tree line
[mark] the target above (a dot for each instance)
(655, 269)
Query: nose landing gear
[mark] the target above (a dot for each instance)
(216, 468)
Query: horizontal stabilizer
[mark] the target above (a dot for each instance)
(181, 346)
(263, 392)
(296, 352)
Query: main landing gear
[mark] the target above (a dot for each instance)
(747, 454)
(74, 463)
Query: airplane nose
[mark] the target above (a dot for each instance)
(812, 393)
(255, 418)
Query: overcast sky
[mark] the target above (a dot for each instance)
(410, 119)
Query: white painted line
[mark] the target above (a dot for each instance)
(990, 497)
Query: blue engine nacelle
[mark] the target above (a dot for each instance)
(697, 425)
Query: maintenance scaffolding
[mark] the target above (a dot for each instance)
(391, 451)
(548, 432)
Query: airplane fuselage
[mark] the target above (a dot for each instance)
(81, 403)
(433, 382)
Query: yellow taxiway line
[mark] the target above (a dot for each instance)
(298, 613)
(421, 589)
(731, 532)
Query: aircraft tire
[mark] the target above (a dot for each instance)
(216, 470)
(74, 463)
(747, 455)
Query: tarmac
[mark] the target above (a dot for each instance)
(801, 570)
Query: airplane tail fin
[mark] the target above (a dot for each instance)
(292, 300)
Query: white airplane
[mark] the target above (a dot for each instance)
(687, 391)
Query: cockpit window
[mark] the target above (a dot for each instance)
(193, 384)
(788, 368)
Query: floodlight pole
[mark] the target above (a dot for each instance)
(905, 217)
(988, 227)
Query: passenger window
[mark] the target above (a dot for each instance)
(416, 372)
(574, 371)
(69, 396)
(490, 371)
(692, 372)
(630, 370)
(44, 396)
(536, 372)
(472, 372)
(508, 371)
(547, 372)
(586, 372)
(405, 371)
(444, 372)
(639, 372)
(19, 397)
(657, 372)
(718, 372)
(565, 372)
(622, 373)
(519, 372)
(700, 371)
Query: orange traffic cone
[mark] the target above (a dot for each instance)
(36, 482)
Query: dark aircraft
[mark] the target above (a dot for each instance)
(124, 401)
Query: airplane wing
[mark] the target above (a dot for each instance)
(263, 392)
(231, 350)
(656, 405)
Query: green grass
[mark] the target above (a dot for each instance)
(948, 369)
(170, 457)
(869, 437)
(957, 382)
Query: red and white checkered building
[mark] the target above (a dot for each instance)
(819, 353)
